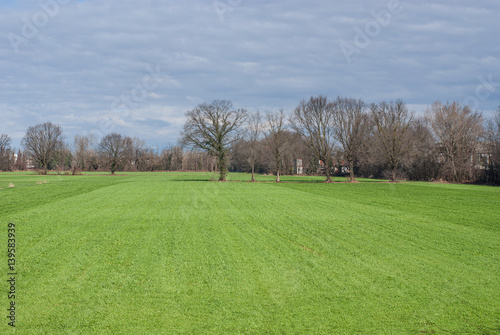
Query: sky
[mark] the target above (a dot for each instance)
(135, 67)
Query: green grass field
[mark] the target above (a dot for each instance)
(175, 253)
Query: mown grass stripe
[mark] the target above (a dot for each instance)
(176, 253)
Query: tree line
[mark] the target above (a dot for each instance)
(344, 136)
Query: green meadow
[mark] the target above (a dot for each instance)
(177, 253)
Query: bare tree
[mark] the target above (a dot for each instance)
(42, 143)
(293, 148)
(277, 140)
(314, 121)
(146, 159)
(62, 159)
(84, 149)
(351, 125)
(457, 130)
(392, 121)
(254, 130)
(422, 156)
(20, 163)
(172, 158)
(5, 153)
(113, 150)
(197, 160)
(214, 128)
(240, 160)
(493, 147)
(137, 154)
(5, 141)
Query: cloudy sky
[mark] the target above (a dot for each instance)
(135, 67)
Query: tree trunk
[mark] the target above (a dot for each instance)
(327, 171)
(351, 171)
(454, 169)
(222, 167)
(278, 175)
(253, 168)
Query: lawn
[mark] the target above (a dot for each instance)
(176, 253)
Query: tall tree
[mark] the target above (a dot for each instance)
(423, 158)
(214, 128)
(254, 130)
(5, 152)
(113, 150)
(493, 146)
(63, 159)
(392, 121)
(276, 136)
(42, 142)
(351, 125)
(457, 129)
(20, 163)
(172, 158)
(314, 121)
(138, 153)
(84, 148)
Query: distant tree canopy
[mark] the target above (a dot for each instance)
(214, 128)
(492, 149)
(391, 121)
(351, 125)
(457, 130)
(344, 136)
(84, 151)
(5, 152)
